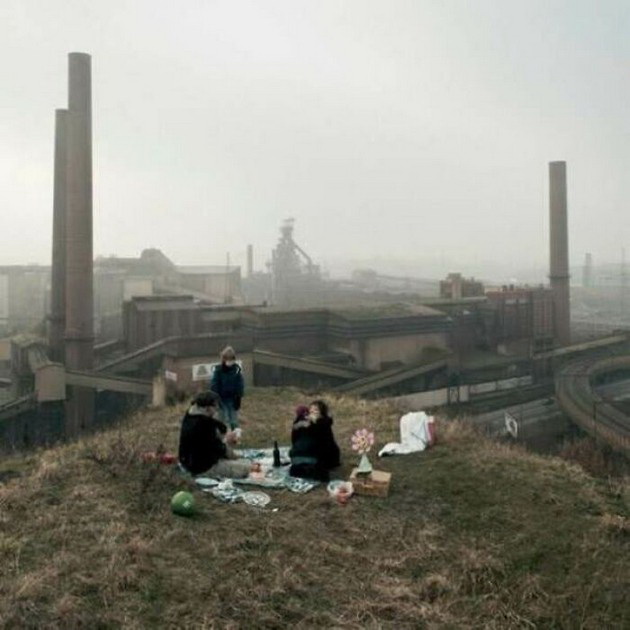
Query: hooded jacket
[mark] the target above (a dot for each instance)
(228, 383)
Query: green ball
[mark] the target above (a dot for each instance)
(183, 503)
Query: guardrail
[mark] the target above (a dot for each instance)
(386, 378)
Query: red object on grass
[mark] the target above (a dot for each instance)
(165, 458)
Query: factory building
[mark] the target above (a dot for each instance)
(372, 338)
(455, 287)
(520, 319)
(24, 297)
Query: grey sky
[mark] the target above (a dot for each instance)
(392, 129)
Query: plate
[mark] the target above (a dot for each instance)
(257, 499)
(206, 482)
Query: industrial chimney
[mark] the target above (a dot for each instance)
(250, 261)
(57, 317)
(79, 337)
(559, 252)
(587, 272)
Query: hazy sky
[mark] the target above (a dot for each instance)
(391, 129)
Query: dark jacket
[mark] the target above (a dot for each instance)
(200, 443)
(313, 444)
(228, 383)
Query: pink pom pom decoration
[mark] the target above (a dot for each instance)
(362, 441)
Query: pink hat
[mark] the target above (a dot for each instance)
(301, 410)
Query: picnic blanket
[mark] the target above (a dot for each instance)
(274, 477)
(277, 478)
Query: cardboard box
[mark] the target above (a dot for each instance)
(376, 484)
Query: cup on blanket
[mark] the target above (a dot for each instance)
(233, 437)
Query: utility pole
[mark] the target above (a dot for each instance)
(624, 284)
(227, 279)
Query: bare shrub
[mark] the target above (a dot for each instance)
(592, 457)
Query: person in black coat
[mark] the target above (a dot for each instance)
(204, 441)
(314, 451)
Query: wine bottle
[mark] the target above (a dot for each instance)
(276, 455)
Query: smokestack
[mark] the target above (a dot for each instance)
(587, 277)
(559, 252)
(57, 318)
(250, 261)
(79, 258)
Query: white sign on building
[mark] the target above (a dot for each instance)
(203, 371)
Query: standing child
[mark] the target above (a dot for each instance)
(227, 381)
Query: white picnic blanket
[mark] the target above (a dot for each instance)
(272, 478)
(415, 435)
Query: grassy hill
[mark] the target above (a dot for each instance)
(473, 534)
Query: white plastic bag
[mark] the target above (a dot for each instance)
(415, 435)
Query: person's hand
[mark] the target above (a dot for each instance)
(231, 437)
(256, 467)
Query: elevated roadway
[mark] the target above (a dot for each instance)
(386, 378)
(585, 405)
(311, 366)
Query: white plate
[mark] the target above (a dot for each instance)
(257, 499)
(206, 482)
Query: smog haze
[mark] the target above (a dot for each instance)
(403, 134)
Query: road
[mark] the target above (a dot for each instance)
(587, 407)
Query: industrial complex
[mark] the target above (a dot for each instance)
(86, 339)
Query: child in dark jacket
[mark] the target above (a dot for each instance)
(314, 451)
(227, 381)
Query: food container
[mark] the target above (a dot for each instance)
(341, 491)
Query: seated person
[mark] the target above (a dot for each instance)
(204, 442)
(314, 451)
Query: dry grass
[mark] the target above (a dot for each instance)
(596, 458)
(473, 534)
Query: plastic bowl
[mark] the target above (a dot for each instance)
(338, 488)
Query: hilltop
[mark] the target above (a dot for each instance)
(473, 534)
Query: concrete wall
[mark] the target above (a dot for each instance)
(298, 345)
(433, 398)
(376, 353)
(462, 393)
(223, 286)
(23, 297)
(5, 349)
(50, 383)
(136, 286)
(280, 376)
